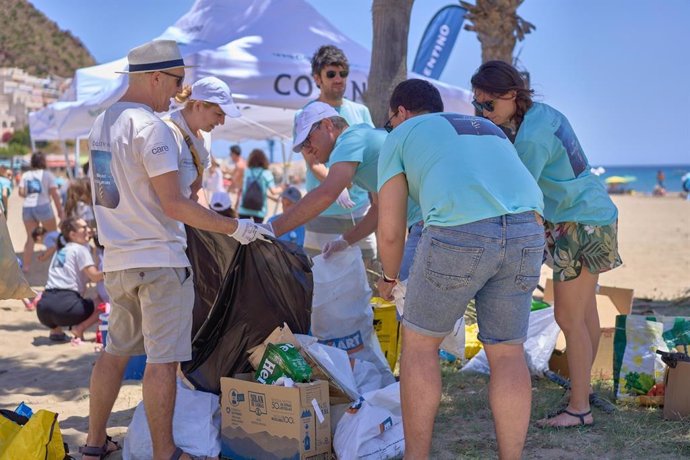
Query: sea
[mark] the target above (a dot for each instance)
(645, 176)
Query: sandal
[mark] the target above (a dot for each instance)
(59, 337)
(542, 423)
(102, 451)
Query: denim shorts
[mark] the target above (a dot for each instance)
(39, 213)
(496, 261)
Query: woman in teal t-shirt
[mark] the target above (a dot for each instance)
(258, 182)
(581, 219)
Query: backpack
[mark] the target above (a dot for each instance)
(253, 197)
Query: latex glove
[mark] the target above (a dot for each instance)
(248, 231)
(344, 200)
(330, 248)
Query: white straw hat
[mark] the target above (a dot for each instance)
(154, 56)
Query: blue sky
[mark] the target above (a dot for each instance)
(620, 71)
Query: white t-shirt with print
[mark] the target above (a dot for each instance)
(130, 145)
(67, 268)
(187, 169)
(37, 183)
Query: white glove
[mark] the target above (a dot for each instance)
(248, 231)
(334, 246)
(344, 200)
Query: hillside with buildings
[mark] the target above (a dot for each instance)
(32, 42)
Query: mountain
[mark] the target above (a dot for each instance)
(31, 41)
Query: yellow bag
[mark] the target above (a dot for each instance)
(40, 438)
(472, 344)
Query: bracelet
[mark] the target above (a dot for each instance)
(387, 279)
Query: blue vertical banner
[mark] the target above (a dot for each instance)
(438, 41)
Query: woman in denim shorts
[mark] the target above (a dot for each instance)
(483, 239)
(37, 186)
(581, 219)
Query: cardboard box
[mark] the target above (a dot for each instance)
(677, 392)
(272, 422)
(611, 302)
(387, 328)
(339, 394)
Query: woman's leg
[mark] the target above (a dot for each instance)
(30, 226)
(79, 329)
(573, 302)
(49, 224)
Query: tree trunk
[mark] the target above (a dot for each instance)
(391, 21)
(498, 27)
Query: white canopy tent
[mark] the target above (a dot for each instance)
(261, 48)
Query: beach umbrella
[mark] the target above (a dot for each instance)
(620, 179)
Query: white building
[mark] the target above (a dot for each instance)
(21, 93)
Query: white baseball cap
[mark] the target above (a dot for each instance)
(312, 113)
(220, 201)
(216, 91)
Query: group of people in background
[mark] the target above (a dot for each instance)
(461, 207)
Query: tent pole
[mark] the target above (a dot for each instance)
(77, 158)
(68, 170)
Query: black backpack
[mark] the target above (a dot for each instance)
(253, 197)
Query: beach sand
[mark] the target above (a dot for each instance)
(654, 239)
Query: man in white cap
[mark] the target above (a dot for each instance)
(140, 212)
(323, 136)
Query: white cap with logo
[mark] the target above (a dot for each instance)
(312, 113)
(216, 91)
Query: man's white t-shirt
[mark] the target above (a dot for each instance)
(67, 268)
(130, 145)
(37, 183)
(187, 169)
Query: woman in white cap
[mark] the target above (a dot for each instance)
(206, 104)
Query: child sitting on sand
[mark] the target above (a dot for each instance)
(62, 303)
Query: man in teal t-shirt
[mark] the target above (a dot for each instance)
(330, 69)
(483, 239)
(323, 136)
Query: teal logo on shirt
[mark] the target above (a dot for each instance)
(105, 189)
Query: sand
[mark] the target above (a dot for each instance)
(654, 238)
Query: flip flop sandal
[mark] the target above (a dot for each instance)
(102, 451)
(580, 416)
(59, 337)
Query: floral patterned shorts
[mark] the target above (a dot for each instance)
(573, 245)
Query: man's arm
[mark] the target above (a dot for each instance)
(392, 224)
(367, 225)
(316, 201)
(177, 207)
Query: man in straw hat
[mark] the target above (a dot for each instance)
(140, 212)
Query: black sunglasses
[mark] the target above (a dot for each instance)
(342, 73)
(389, 126)
(307, 140)
(179, 79)
(489, 106)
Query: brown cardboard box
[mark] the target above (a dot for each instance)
(611, 302)
(677, 395)
(274, 422)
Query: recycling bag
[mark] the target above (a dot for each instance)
(242, 293)
(37, 437)
(636, 366)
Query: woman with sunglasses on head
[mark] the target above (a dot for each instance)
(62, 303)
(580, 219)
(205, 104)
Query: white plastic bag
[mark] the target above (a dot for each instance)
(341, 313)
(454, 343)
(372, 428)
(196, 426)
(541, 340)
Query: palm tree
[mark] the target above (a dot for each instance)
(498, 27)
(391, 21)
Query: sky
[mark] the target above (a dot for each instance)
(620, 71)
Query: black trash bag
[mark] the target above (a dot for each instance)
(242, 293)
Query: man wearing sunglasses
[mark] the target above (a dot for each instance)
(141, 212)
(330, 69)
(483, 239)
